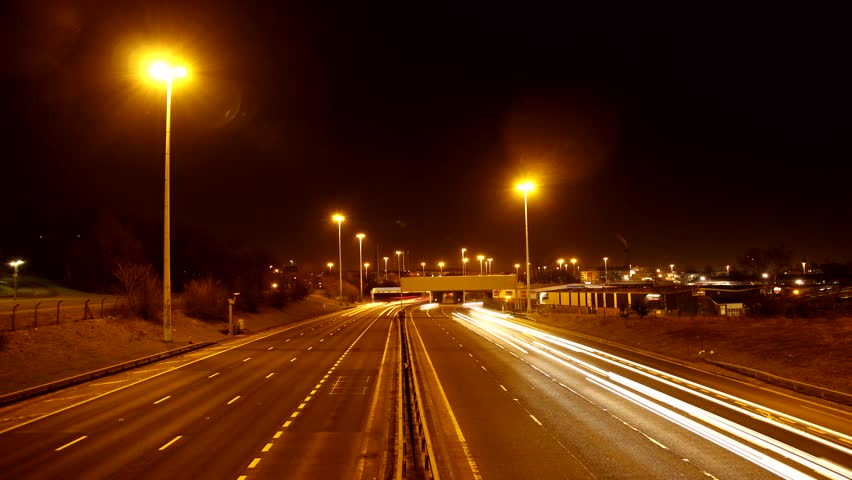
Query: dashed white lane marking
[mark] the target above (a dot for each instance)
(287, 424)
(483, 367)
(266, 448)
(278, 434)
(170, 443)
(293, 359)
(270, 348)
(271, 374)
(504, 388)
(309, 348)
(70, 443)
(254, 463)
(163, 399)
(233, 399)
(247, 359)
(211, 376)
(535, 419)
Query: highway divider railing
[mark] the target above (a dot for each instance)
(85, 377)
(796, 386)
(417, 434)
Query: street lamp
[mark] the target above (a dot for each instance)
(573, 266)
(480, 258)
(330, 264)
(164, 72)
(606, 276)
(15, 264)
(360, 276)
(423, 264)
(399, 268)
(339, 219)
(728, 269)
(526, 187)
(367, 271)
(441, 266)
(489, 271)
(804, 272)
(671, 265)
(386, 268)
(464, 261)
(560, 262)
(517, 274)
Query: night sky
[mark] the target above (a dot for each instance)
(691, 136)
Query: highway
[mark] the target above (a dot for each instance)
(510, 399)
(311, 400)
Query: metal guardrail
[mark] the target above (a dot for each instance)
(417, 432)
(85, 377)
(796, 386)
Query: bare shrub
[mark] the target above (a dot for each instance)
(205, 299)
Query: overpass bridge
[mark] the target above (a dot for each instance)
(455, 287)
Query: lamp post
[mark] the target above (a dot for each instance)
(480, 258)
(367, 271)
(606, 276)
(167, 73)
(517, 275)
(489, 271)
(573, 266)
(15, 264)
(423, 264)
(386, 268)
(441, 266)
(464, 262)
(339, 219)
(360, 276)
(526, 187)
(329, 264)
(399, 267)
(728, 269)
(671, 266)
(560, 262)
(804, 272)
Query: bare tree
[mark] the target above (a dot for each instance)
(131, 276)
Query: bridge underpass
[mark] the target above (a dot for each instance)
(457, 288)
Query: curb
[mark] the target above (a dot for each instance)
(84, 377)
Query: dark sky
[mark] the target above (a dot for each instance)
(693, 136)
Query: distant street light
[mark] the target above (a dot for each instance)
(804, 272)
(399, 268)
(489, 271)
(560, 262)
(526, 187)
(367, 271)
(671, 265)
(164, 72)
(573, 266)
(728, 269)
(15, 264)
(464, 262)
(517, 274)
(339, 219)
(386, 268)
(330, 264)
(480, 258)
(423, 264)
(441, 266)
(360, 276)
(606, 276)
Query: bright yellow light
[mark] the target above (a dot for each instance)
(796, 291)
(465, 260)
(16, 263)
(161, 70)
(441, 264)
(574, 261)
(274, 285)
(330, 264)
(525, 186)
(366, 265)
(338, 217)
(480, 257)
(360, 236)
(398, 252)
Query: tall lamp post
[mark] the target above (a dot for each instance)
(329, 265)
(606, 277)
(573, 267)
(560, 262)
(15, 264)
(423, 264)
(489, 271)
(167, 73)
(386, 268)
(339, 219)
(441, 266)
(367, 271)
(464, 262)
(360, 276)
(480, 258)
(526, 187)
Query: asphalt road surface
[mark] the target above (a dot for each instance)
(507, 400)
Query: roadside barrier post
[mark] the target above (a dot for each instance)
(57, 311)
(35, 320)
(13, 314)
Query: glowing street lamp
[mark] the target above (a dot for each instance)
(399, 268)
(360, 276)
(573, 266)
(517, 274)
(423, 264)
(671, 265)
(15, 264)
(339, 219)
(526, 187)
(330, 264)
(480, 258)
(367, 270)
(606, 276)
(161, 71)
(804, 272)
(489, 271)
(560, 262)
(441, 266)
(386, 268)
(728, 269)
(464, 262)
